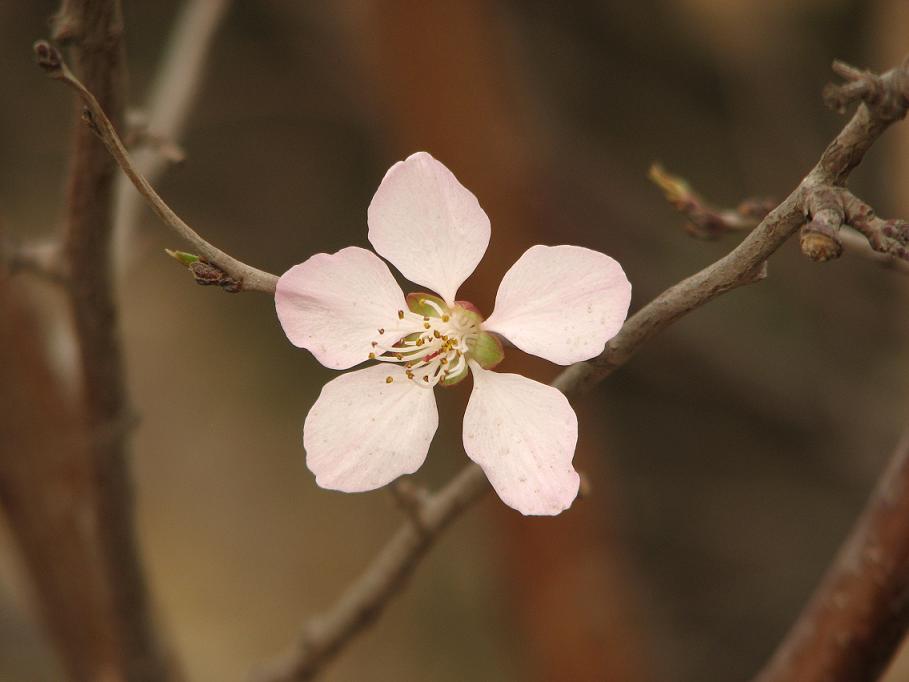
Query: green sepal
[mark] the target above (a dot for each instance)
(486, 350)
(451, 380)
(185, 259)
(414, 304)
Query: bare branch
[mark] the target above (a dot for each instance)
(856, 619)
(362, 602)
(823, 237)
(94, 29)
(704, 220)
(42, 259)
(172, 95)
(250, 278)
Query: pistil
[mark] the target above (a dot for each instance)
(431, 347)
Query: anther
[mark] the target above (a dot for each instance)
(400, 314)
(381, 331)
(388, 380)
(425, 325)
(372, 356)
(445, 318)
(437, 333)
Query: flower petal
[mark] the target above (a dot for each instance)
(523, 433)
(562, 303)
(362, 432)
(333, 305)
(428, 225)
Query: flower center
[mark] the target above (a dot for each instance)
(435, 346)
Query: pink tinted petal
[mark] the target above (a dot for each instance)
(562, 303)
(363, 432)
(523, 433)
(428, 224)
(334, 304)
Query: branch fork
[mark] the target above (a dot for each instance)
(247, 277)
(820, 198)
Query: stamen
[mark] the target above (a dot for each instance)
(434, 348)
(435, 306)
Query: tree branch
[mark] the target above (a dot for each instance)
(42, 259)
(172, 95)
(859, 614)
(363, 601)
(247, 277)
(820, 239)
(94, 29)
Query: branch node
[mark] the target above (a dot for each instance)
(819, 242)
(44, 259)
(412, 500)
(229, 273)
(887, 94)
(819, 238)
(139, 135)
(48, 58)
(890, 237)
(705, 221)
(206, 273)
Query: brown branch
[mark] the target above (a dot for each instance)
(249, 278)
(172, 95)
(703, 219)
(854, 623)
(42, 259)
(366, 597)
(821, 239)
(45, 481)
(94, 30)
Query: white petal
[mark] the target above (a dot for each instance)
(562, 303)
(334, 304)
(363, 432)
(428, 225)
(523, 433)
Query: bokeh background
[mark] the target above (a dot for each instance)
(726, 462)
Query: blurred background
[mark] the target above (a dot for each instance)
(726, 462)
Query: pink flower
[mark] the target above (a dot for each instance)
(369, 426)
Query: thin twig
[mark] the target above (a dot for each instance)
(172, 95)
(250, 278)
(361, 603)
(859, 614)
(703, 219)
(364, 600)
(820, 241)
